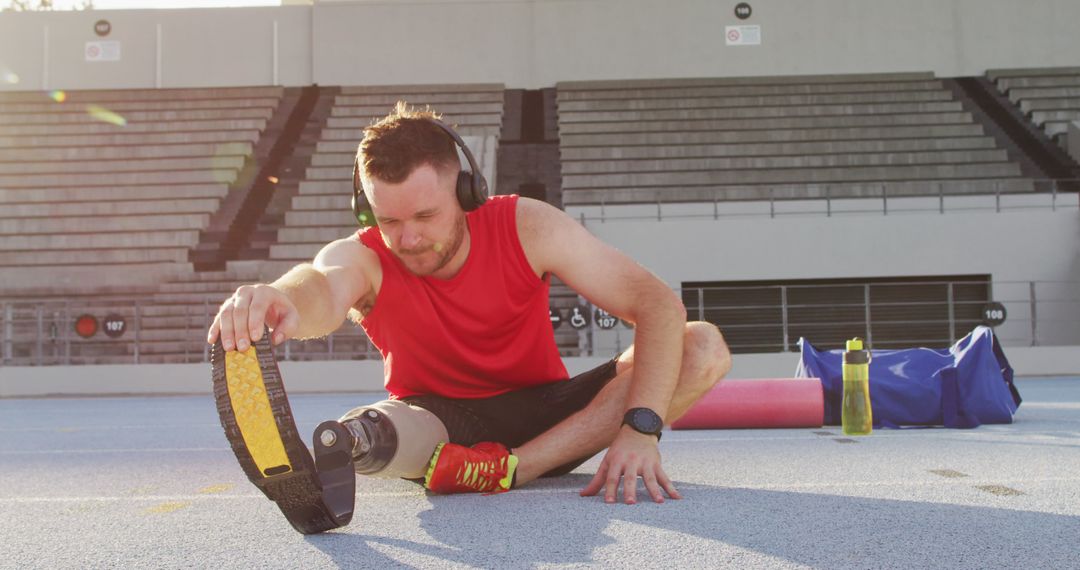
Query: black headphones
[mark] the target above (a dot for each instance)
(472, 189)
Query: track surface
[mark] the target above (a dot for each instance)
(151, 483)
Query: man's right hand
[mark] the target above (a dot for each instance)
(241, 318)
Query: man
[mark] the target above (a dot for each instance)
(457, 303)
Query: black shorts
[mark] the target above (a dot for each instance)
(516, 417)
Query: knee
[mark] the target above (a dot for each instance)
(705, 350)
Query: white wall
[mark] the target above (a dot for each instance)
(536, 43)
(199, 48)
(1014, 247)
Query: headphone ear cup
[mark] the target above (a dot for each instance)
(466, 195)
(480, 190)
(362, 209)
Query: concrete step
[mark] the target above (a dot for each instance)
(1055, 128)
(67, 209)
(793, 111)
(494, 107)
(223, 278)
(118, 153)
(135, 117)
(323, 235)
(416, 100)
(434, 88)
(123, 165)
(1019, 94)
(136, 128)
(881, 121)
(344, 159)
(461, 120)
(191, 298)
(323, 202)
(769, 136)
(295, 252)
(742, 81)
(486, 128)
(1007, 83)
(309, 218)
(222, 176)
(187, 94)
(128, 138)
(754, 101)
(994, 74)
(36, 281)
(121, 193)
(681, 92)
(52, 108)
(341, 186)
(224, 288)
(1066, 115)
(765, 192)
(789, 176)
(101, 240)
(92, 224)
(1049, 104)
(95, 257)
(818, 148)
(805, 161)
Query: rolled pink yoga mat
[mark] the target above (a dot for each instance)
(760, 403)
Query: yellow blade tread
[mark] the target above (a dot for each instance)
(251, 406)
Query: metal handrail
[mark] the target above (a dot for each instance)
(41, 332)
(781, 194)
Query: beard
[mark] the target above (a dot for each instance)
(414, 258)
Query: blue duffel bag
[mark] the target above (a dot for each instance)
(965, 386)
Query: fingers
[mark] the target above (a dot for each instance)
(597, 481)
(242, 317)
(286, 325)
(610, 474)
(629, 485)
(215, 329)
(667, 485)
(611, 483)
(240, 313)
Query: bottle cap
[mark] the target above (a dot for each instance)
(855, 344)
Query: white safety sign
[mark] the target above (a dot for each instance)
(742, 35)
(102, 51)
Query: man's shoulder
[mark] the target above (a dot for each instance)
(534, 217)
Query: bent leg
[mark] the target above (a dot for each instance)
(393, 439)
(705, 361)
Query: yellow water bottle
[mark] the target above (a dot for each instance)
(856, 415)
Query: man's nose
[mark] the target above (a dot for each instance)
(410, 237)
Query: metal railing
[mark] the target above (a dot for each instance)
(43, 331)
(830, 200)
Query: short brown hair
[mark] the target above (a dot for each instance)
(402, 141)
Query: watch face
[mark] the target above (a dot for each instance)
(647, 421)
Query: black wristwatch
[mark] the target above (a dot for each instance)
(644, 420)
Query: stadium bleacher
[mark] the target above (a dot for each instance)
(1049, 97)
(780, 137)
(106, 193)
(111, 188)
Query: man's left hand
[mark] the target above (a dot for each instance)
(632, 454)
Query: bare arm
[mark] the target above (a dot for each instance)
(556, 243)
(311, 300)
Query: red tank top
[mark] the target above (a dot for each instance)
(483, 332)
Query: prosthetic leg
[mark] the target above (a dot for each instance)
(386, 439)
